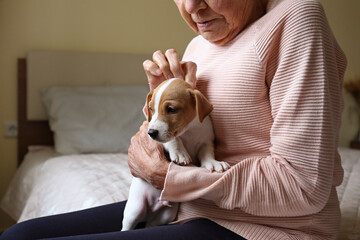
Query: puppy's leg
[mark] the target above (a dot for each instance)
(136, 206)
(177, 151)
(164, 216)
(207, 159)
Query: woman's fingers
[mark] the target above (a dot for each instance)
(146, 158)
(137, 153)
(151, 68)
(166, 66)
(175, 65)
(160, 59)
(153, 73)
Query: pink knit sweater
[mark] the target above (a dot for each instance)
(276, 90)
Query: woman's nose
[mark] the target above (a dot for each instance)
(192, 6)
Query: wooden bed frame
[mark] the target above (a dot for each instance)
(30, 132)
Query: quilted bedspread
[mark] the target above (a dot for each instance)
(47, 184)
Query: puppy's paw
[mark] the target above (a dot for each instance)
(213, 165)
(180, 157)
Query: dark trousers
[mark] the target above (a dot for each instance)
(104, 223)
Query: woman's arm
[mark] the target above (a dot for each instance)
(305, 68)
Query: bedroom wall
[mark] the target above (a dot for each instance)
(125, 26)
(128, 26)
(344, 19)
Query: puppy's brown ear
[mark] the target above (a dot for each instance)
(203, 106)
(146, 108)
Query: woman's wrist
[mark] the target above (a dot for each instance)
(158, 174)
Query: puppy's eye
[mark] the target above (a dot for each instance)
(171, 110)
(151, 110)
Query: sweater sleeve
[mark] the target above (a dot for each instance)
(304, 72)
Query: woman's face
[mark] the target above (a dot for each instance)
(218, 21)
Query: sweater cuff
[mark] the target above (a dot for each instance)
(162, 195)
(186, 183)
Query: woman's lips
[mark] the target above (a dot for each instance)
(204, 25)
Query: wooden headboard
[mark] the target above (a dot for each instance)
(43, 69)
(30, 132)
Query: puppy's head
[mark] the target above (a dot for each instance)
(172, 106)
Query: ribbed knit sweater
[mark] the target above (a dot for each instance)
(277, 95)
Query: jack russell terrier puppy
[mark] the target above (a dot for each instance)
(178, 117)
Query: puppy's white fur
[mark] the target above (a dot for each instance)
(194, 142)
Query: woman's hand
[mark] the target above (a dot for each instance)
(166, 66)
(147, 159)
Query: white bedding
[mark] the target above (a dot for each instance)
(349, 195)
(24, 181)
(47, 184)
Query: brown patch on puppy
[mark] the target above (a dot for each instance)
(177, 106)
(148, 108)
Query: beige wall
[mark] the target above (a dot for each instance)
(344, 19)
(130, 26)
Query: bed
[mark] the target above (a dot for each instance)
(72, 108)
(84, 164)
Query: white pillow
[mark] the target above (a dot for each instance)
(94, 119)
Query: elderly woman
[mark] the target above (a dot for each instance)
(273, 71)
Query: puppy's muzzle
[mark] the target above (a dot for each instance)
(153, 133)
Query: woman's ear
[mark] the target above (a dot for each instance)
(203, 106)
(146, 109)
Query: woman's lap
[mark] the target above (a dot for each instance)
(104, 223)
(94, 220)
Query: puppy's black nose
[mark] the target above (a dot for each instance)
(153, 133)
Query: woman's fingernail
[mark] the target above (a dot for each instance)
(158, 71)
(170, 75)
